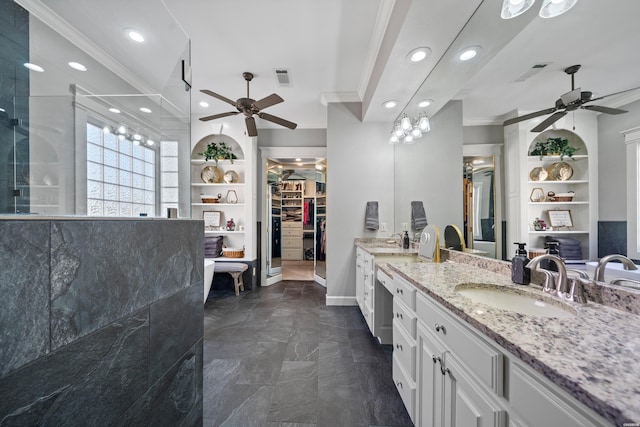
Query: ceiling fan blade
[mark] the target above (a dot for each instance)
(277, 120)
(251, 126)
(220, 97)
(606, 110)
(549, 121)
(529, 116)
(217, 116)
(270, 100)
(612, 94)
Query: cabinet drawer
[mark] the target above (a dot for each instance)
(294, 232)
(537, 403)
(367, 260)
(404, 348)
(406, 387)
(405, 317)
(479, 356)
(405, 292)
(292, 242)
(385, 280)
(292, 254)
(291, 224)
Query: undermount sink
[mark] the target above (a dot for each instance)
(514, 300)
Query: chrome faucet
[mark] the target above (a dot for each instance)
(626, 262)
(561, 287)
(581, 273)
(399, 240)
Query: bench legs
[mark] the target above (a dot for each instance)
(238, 283)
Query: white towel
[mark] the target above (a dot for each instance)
(371, 216)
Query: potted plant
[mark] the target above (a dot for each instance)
(554, 147)
(217, 152)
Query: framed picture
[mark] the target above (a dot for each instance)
(560, 218)
(211, 218)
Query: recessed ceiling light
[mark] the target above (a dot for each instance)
(77, 66)
(150, 141)
(106, 129)
(33, 67)
(469, 53)
(122, 130)
(134, 35)
(418, 54)
(204, 104)
(114, 110)
(425, 103)
(137, 137)
(390, 104)
(145, 110)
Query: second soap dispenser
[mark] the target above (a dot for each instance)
(405, 240)
(520, 273)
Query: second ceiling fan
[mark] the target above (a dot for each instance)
(249, 107)
(570, 101)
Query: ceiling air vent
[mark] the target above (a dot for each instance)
(282, 75)
(531, 71)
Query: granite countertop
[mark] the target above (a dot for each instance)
(385, 247)
(593, 355)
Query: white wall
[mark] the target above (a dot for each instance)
(430, 170)
(360, 169)
(611, 162)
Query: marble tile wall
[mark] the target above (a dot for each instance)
(101, 322)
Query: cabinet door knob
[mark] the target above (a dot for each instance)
(399, 384)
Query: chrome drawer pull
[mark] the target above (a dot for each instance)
(399, 384)
(436, 359)
(399, 315)
(399, 347)
(398, 291)
(440, 328)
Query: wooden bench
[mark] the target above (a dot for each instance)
(235, 269)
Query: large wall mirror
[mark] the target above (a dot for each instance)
(483, 199)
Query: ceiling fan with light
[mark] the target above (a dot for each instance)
(570, 101)
(249, 107)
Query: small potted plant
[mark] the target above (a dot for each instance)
(554, 147)
(217, 152)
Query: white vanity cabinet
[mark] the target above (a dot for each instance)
(463, 378)
(365, 285)
(459, 378)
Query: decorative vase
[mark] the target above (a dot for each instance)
(231, 225)
(232, 197)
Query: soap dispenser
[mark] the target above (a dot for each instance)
(405, 240)
(520, 273)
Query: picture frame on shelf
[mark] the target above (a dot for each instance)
(560, 218)
(211, 219)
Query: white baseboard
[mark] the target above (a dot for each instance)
(341, 300)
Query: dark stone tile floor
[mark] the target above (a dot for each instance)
(277, 356)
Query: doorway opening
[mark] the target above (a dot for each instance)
(296, 204)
